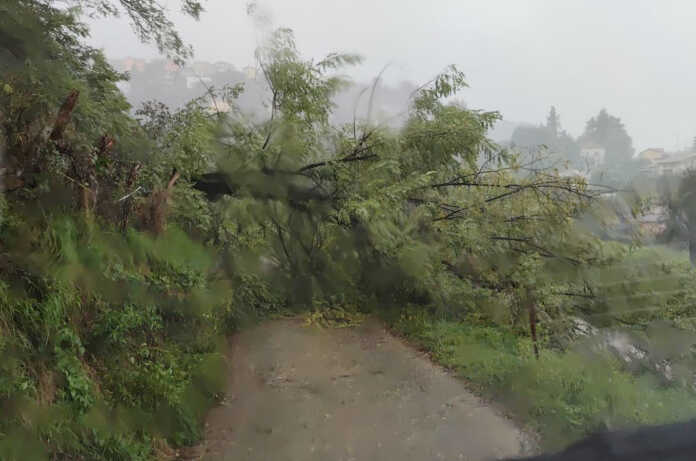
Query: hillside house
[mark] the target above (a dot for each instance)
(653, 154)
(250, 72)
(677, 164)
(657, 162)
(222, 67)
(130, 64)
(593, 156)
(195, 81)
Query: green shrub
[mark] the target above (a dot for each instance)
(111, 341)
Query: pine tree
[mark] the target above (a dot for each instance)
(553, 123)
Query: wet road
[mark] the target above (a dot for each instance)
(299, 392)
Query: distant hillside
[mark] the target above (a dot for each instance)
(160, 80)
(174, 86)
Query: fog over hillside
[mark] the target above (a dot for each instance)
(157, 79)
(630, 56)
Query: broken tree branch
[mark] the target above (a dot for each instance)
(128, 202)
(159, 205)
(64, 116)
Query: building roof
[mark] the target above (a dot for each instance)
(676, 158)
(653, 154)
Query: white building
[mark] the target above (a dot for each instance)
(574, 173)
(250, 72)
(192, 82)
(677, 164)
(656, 162)
(593, 156)
(222, 66)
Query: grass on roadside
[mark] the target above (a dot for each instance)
(562, 396)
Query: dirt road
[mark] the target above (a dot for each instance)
(303, 393)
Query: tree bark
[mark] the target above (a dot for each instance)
(128, 202)
(159, 205)
(64, 116)
(532, 326)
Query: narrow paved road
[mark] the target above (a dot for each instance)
(300, 393)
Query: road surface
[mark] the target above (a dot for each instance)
(302, 393)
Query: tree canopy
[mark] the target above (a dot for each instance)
(607, 131)
(559, 146)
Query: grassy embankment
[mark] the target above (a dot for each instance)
(567, 393)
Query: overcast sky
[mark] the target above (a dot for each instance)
(637, 58)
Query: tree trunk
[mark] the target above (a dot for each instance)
(159, 204)
(128, 201)
(64, 116)
(692, 250)
(532, 328)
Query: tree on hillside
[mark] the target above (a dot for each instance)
(530, 136)
(553, 122)
(47, 69)
(679, 196)
(608, 131)
(560, 144)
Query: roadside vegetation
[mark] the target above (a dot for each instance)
(563, 395)
(132, 242)
(624, 360)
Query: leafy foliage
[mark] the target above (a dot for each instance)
(677, 195)
(131, 245)
(149, 21)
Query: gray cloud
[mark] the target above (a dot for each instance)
(634, 57)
